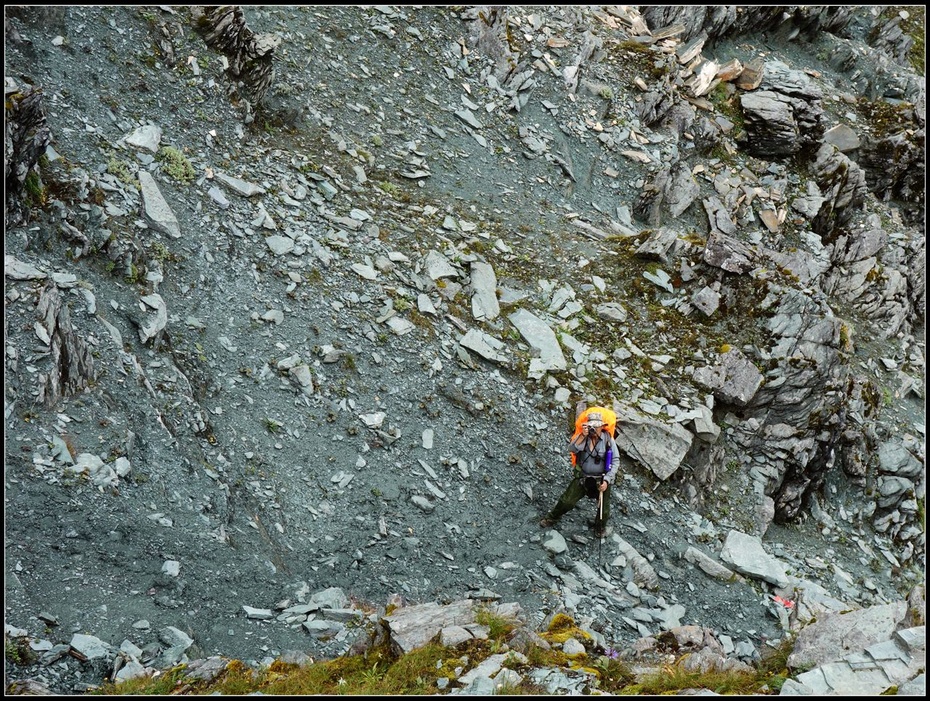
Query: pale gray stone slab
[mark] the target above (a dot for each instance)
(240, 187)
(155, 208)
(542, 339)
(147, 137)
(484, 303)
(745, 554)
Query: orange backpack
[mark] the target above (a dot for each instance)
(610, 423)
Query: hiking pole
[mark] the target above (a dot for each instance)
(600, 522)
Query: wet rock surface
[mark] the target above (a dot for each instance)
(269, 365)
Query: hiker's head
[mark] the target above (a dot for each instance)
(595, 420)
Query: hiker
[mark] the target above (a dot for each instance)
(590, 449)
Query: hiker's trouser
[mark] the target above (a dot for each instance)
(570, 497)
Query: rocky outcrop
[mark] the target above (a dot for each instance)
(871, 271)
(888, 36)
(864, 650)
(250, 55)
(72, 365)
(785, 115)
(800, 407)
(719, 21)
(26, 137)
(895, 165)
(842, 184)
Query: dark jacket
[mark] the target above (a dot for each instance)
(591, 458)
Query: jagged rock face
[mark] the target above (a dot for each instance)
(730, 20)
(654, 106)
(874, 74)
(916, 256)
(490, 35)
(802, 407)
(894, 165)
(26, 137)
(250, 55)
(785, 115)
(880, 280)
(889, 37)
(842, 184)
(72, 366)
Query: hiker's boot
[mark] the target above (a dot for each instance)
(547, 522)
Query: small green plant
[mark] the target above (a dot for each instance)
(133, 275)
(887, 397)
(772, 671)
(635, 46)
(17, 651)
(675, 678)
(845, 338)
(390, 188)
(271, 426)
(119, 170)
(349, 363)
(499, 626)
(614, 674)
(160, 252)
(176, 164)
(36, 194)
(915, 26)
(605, 93)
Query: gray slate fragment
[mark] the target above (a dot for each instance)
(91, 647)
(735, 379)
(18, 270)
(280, 245)
(258, 614)
(484, 304)
(707, 564)
(611, 311)
(469, 118)
(484, 345)
(746, 555)
(155, 208)
(655, 444)
(706, 299)
(153, 324)
(438, 266)
(217, 196)
(660, 245)
(542, 340)
(414, 626)
(240, 187)
(843, 137)
(147, 137)
(175, 637)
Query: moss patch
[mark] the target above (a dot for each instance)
(176, 165)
